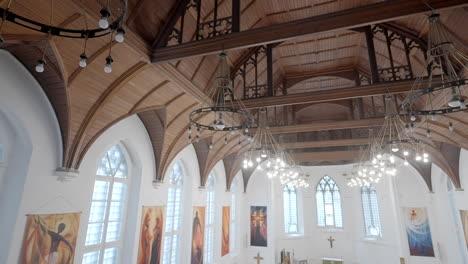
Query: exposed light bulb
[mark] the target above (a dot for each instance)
(40, 65)
(379, 156)
(211, 145)
(108, 66)
(395, 148)
(418, 157)
(425, 160)
(425, 155)
(83, 60)
(119, 37)
(454, 101)
(428, 133)
(259, 159)
(219, 125)
(462, 104)
(433, 117)
(412, 117)
(406, 163)
(104, 21)
(450, 127)
(405, 153)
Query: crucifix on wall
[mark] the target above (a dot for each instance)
(258, 258)
(331, 239)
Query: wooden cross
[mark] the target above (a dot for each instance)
(331, 239)
(258, 258)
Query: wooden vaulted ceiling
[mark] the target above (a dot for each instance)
(319, 61)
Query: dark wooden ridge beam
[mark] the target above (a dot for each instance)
(176, 12)
(332, 125)
(345, 19)
(331, 95)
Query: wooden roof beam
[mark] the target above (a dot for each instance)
(331, 95)
(345, 19)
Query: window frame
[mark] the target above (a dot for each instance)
(328, 180)
(210, 219)
(171, 234)
(369, 191)
(119, 244)
(289, 189)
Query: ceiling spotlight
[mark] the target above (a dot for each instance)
(119, 37)
(104, 21)
(83, 60)
(108, 67)
(40, 64)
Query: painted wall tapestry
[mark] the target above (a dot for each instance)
(198, 234)
(50, 238)
(418, 232)
(464, 220)
(226, 230)
(149, 251)
(258, 226)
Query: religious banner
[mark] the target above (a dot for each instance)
(198, 234)
(149, 251)
(418, 232)
(226, 230)
(464, 220)
(258, 226)
(50, 238)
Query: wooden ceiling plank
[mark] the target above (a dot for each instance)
(346, 19)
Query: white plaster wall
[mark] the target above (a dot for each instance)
(35, 153)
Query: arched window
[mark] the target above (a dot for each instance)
(171, 243)
(210, 213)
(107, 215)
(328, 203)
(291, 225)
(370, 207)
(233, 221)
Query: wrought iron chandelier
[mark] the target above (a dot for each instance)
(445, 90)
(227, 114)
(106, 27)
(395, 138)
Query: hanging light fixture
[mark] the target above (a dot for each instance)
(295, 177)
(445, 90)
(227, 113)
(395, 138)
(106, 26)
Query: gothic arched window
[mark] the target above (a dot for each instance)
(104, 235)
(328, 200)
(370, 207)
(171, 243)
(291, 225)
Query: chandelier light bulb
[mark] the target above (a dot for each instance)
(406, 163)
(425, 155)
(108, 66)
(405, 153)
(425, 160)
(413, 117)
(395, 148)
(250, 163)
(392, 159)
(83, 60)
(40, 65)
(104, 21)
(434, 117)
(450, 127)
(454, 101)
(211, 145)
(428, 133)
(462, 104)
(259, 159)
(219, 125)
(418, 157)
(119, 37)
(379, 156)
